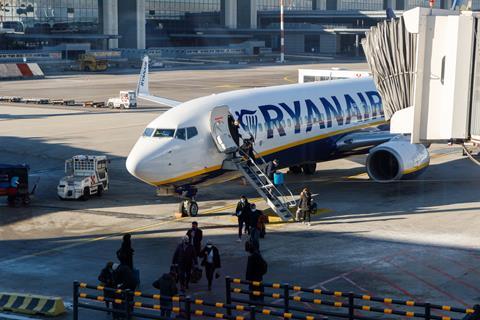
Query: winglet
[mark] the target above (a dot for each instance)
(142, 86)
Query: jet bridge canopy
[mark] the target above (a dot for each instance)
(426, 65)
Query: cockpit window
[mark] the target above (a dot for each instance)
(148, 132)
(191, 132)
(181, 134)
(164, 133)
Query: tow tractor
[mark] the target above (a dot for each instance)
(126, 100)
(86, 175)
(14, 184)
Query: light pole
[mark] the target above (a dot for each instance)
(282, 34)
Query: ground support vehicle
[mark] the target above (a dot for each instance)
(14, 184)
(126, 100)
(86, 175)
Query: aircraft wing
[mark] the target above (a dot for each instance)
(143, 91)
(361, 140)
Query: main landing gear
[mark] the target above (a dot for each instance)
(307, 168)
(188, 206)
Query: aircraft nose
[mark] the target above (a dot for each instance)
(136, 165)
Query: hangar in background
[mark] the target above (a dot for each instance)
(312, 26)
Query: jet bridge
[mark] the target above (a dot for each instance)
(426, 66)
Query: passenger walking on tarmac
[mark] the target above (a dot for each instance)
(271, 168)
(243, 212)
(107, 280)
(261, 224)
(167, 284)
(124, 280)
(125, 253)
(304, 206)
(184, 258)
(195, 235)
(254, 239)
(256, 268)
(211, 261)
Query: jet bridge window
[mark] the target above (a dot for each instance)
(164, 133)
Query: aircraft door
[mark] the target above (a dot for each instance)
(220, 130)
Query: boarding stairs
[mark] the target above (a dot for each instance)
(280, 201)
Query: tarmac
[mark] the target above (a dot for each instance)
(413, 240)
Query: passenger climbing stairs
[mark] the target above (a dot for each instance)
(280, 202)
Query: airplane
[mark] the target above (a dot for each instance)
(189, 145)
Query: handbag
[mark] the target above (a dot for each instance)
(196, 275)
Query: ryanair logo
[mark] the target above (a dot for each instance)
(343, 110)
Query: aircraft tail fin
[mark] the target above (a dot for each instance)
(143, 90)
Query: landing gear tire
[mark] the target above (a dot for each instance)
(86, 194)
(295, 169)
(309, 168)
(189, 208)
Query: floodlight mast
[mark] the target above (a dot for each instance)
(282, 32)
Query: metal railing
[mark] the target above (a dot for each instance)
(128, 304)
(337, 304)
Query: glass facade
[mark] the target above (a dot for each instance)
(409, 4)
(289, 4)
(50, 16)
(365, 5)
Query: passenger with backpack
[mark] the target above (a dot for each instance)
(107, 280)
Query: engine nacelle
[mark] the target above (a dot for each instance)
(397, 159)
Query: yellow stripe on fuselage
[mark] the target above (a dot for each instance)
(267, 152)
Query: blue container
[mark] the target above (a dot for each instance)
(278, 178)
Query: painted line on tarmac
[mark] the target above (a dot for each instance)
(88, 241)
(429, 284)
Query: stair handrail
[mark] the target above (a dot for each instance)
(282, 196)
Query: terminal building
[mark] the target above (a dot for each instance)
(311, 26)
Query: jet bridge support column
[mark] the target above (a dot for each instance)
(110, 21)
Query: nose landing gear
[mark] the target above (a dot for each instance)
(188, 206)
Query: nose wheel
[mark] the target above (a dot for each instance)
(189, 207)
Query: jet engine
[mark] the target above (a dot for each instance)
(397, 159)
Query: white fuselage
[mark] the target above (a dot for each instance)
(294, 122)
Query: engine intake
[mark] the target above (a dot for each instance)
(397, 159)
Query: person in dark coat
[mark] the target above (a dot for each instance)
(256, 268)
(167, 285)
(124, 280)
(475, 315)
(195, 235)
(243, 212)
(107, 279)
(211, 261)
(184, 258)
(304, 206)
(125, 253)
(234, 127)
(271, 168)
(254, 230)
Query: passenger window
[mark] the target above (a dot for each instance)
(148, 132)
(191, 132)
(181, 134)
